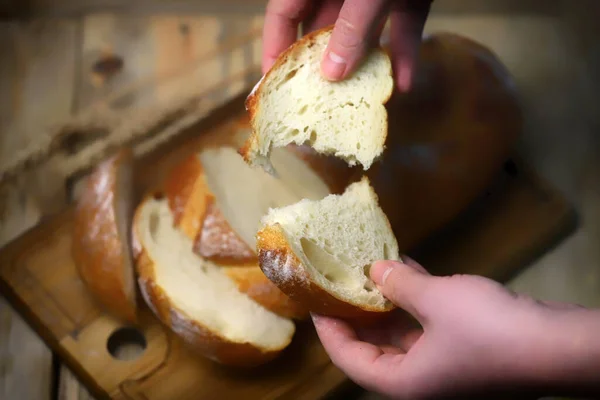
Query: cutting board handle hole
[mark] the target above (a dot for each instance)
(126, 344)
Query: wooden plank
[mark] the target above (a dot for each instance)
(79, 7)
(162, 56)
(70, 388)
(144, 109)
(25, 361)
(568, 154)
(36, 89)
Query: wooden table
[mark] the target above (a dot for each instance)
(53, 68)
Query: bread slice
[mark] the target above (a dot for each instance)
(197, 300)
(253, 282)
(319, 252)
(196, 213)
(244, 194)
(218, 200)
(101, 245)
(293, 103)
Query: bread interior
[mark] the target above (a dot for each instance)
(200, 290)
(245, 194)
(337, 239)
(297, 105)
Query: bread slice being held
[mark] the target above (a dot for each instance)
(101, 245)
(293, 103)
(319, 252)
(197, 300)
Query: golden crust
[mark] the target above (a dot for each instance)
(97, 248)
(258, 287)
(218, 242)
(200, 338)
(196, 214)
(279, 263)
(179, 186)
(252, 103)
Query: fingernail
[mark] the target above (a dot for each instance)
(315, 317)
(380, 271)
(333, 66)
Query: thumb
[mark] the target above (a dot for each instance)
(402, 284)
(355, 29)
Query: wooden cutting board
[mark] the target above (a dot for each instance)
(519, 217)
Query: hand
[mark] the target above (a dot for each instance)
(475, 336)
(358, 26)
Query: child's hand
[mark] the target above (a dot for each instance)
(476, 335)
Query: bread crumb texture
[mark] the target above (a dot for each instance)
(199, 292)
(336, 240)
(295, 104)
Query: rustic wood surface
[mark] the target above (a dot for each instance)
(550, 49)
(36, 85)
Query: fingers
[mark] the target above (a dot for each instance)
(407, 19)
(412, 263)
(402, 284)
(398, 330)
(280, 28)
(323, 13)
(359, 22)
(352, 36)
(560, 305)
(364, 363)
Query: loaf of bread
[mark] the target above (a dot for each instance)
(196, 298)
(319, 252)
(293, 103)
(101, 244)
(449, 137)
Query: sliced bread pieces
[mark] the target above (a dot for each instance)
(218, 200)
(319, 252)
(197, 300)
(198, 216)
(101, 244)
(293, 103)
(217, 178)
